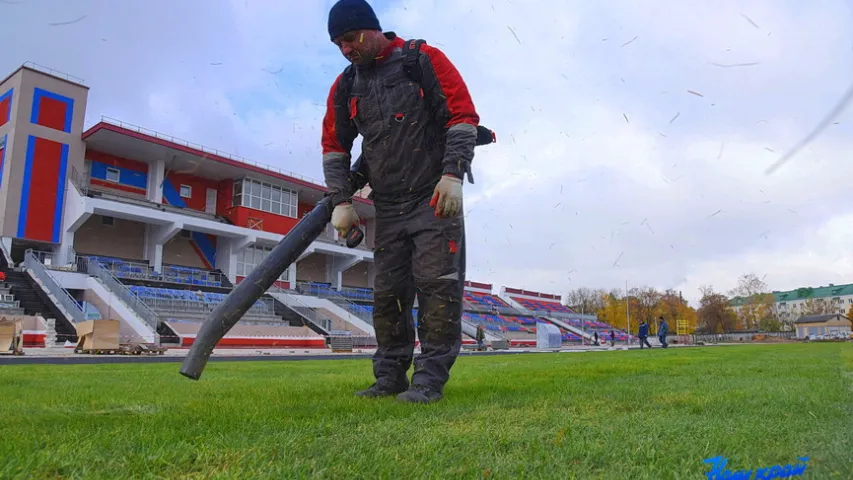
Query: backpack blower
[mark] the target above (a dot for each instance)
(288, 250)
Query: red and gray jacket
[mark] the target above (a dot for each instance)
(413, 133)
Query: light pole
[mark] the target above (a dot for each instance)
(628, 311)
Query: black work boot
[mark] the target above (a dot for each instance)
(420, 394)
(377, 390)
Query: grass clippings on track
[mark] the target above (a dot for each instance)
(637, 414)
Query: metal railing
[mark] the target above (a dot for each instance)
(307, 312)
(6, 255)
(337, 299)
(143, 271)
(55, 73)
(84, 187)
(367, 291)
(66, 301)
(363, 341)
(737, 336)
(587, 318)
(107, 193)
(263, 307)
(213, 151)
(492, 309)
(80, 181)
(65, 261)
(134, 303)
(470, 328)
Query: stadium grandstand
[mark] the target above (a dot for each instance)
(119, 222)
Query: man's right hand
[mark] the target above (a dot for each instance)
(344, 218)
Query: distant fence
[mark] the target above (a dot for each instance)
(340, 338)
(737, 337)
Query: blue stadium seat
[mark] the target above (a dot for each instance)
(208, 298)
(543, 305)
(169, 273)
(485, 299)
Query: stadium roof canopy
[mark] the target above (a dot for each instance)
(137, 143)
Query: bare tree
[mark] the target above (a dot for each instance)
(817, 306)
(644, 303)
(586, 300)
(757, 300)
(715, 314)
(616, 293)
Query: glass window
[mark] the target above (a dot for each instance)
(266, 197)
(113, 175)
(253, 256)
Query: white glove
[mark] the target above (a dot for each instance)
(344, 218)
(447, 196)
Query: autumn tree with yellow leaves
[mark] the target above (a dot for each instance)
(644, 303)
(755, 308)
(715, 314)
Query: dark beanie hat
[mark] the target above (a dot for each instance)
(348, 15)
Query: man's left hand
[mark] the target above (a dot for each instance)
(447, 197)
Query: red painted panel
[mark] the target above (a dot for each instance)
(199, 188)
(116, 186)
(45, 177)
(114, 161)
(52, 113)
(304, 208)
(34, 339)
(224, 198)
(258, 220)
(549, 296)
(198, 153)
(5, 106)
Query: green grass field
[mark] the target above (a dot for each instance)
(637, 414)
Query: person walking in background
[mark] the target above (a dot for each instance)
(643, 334)
(612, 338)
(663, 329)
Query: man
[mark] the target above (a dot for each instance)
(418, 141)
(481, 337)
(663, 329)
(643, 334)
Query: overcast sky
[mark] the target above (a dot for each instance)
(633, 135)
